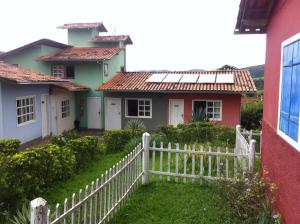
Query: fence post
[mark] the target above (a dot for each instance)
(38, 211)
(251, 156)
(146, 145)
(237, 138)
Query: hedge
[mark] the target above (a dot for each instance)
(9, 146)
(251, 115)
(27, 174)
(197, 132)
(115, 140)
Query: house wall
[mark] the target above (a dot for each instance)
(26, 58)
(59, 124)
(9, 94)
(159, 108)
(280, 158)
(81, 37)
(231, 106)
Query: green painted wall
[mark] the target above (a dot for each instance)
(81, 37)
(26, 58)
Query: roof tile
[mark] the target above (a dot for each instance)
(98, 25)
(116, 38)
(136, 81)
(82, 54)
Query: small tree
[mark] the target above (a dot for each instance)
(228, 67)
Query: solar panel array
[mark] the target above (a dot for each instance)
(191, 78)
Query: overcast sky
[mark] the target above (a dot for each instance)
(166, 34)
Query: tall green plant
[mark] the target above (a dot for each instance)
(199, 115)
(251, 115)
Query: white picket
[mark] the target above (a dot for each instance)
(91, 203)
(169, 160)
(161, 159)
(177, 160)
(184, 162)
(218, 163)
(209, 161)
(193, 162)
(153, 156)
(201, 161)
(65, 210)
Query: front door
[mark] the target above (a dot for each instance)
(112, 113)
(45, 115)
(94, 112)
(176, 111)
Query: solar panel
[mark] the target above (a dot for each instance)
(207, 78)
(175, 77)
(156, 77)
(189, 78)
(225, 78)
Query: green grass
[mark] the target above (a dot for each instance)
(174, 203)
(63, 190)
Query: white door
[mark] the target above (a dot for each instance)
(45, 115)
(176, 111)
(112, 113)
(94, 112)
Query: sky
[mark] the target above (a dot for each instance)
(166, 34)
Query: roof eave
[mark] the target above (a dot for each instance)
(177, 91)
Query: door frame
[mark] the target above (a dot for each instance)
(106, 107)
(169, 114)
(87, 111)
(45, 132)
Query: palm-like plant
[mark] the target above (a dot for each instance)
(135, 126)
(22, 216)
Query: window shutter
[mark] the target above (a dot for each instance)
(288, 55)
(296, 53)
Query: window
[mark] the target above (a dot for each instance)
(139, 108)
(65, 108)
(25, 110)
(105, 69)
(211, 109)
(63, 71)
(290, 95)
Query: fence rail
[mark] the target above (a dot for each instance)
(101, 199)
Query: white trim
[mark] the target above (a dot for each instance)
(208, 100)
(27, 122)
(288, 139)
(146, 117)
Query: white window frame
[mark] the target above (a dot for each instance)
(138, 99)
(55, 73)
(206, 100)
(67, 112)
(34, 110)
(105, 69)
(288, 139)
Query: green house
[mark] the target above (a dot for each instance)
(88, 61)
(92, 60)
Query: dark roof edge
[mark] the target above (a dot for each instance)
(176, 91)
(47, 42)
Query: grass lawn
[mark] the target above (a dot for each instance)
(94, 170)
(172, 203)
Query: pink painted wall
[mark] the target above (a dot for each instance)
(231, 106)
(281, 159)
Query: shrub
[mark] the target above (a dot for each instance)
(64, 138)
(251, 115)
(27, 174)
(84, 148)
(248, 199)
(136, 126)
(115, 140)
(132, 144)
(169, 132)
(9, 146)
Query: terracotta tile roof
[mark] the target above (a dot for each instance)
(136, 81)
(98, 25)
(108, 39)
(23, 76)
(82, 54)
(73, 87)
(46, 42)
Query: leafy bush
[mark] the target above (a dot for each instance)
(9, 146)
(132, 144)
(84, 148)
(251, 115)
(22, 216)
(115, 140)
(198, 132)
(136, 126)
(248, 199)
(64, 138)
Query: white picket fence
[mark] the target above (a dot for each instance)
(99, 201)
(250, 135)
